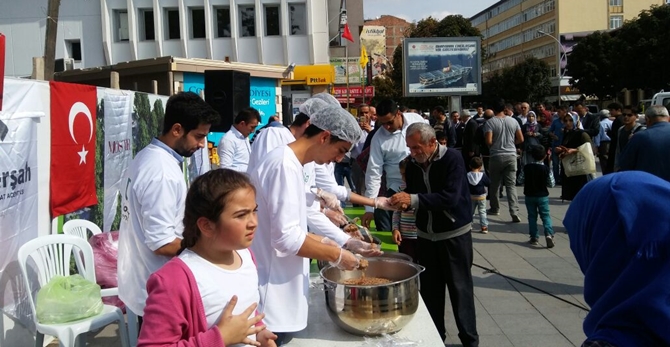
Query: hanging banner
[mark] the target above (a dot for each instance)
(2, 69)
(118, 151)
(342, 66)
(373, 38)
(18, 187)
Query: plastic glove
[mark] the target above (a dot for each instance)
(384, 204)
(347, 261)
(363, 248)
(336, 217)
(329, 200)
(329, 242)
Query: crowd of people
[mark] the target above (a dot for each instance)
(232, 252)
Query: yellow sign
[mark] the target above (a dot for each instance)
(317, 80)
(312, 75)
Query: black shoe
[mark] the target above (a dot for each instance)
(492, 212)
(515, 219)
(533, 241)
(550, 241)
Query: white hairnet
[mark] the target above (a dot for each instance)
(338, 121)
(312, 105)
(329, 99)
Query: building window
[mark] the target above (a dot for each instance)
(247, 21)
(298, 17)
(616, 22)
(222, 21)
(198, 23)
(616, 2)
(73, 49)
(147, 25)
(172, 31)
(121, 26)
(272, 21)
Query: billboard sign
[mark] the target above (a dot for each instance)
(342, 66)
(442, 66)
(374, 40)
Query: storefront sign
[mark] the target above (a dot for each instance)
(317, 80)
(354, 92)
(442, 66)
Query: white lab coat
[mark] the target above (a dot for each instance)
(283, 276)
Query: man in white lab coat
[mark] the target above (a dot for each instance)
(282, 246)
(155, 194)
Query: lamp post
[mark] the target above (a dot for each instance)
(560, 60)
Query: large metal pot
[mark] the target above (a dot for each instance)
(376, 309)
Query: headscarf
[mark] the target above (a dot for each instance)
(619, 229)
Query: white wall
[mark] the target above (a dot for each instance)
(24, 24)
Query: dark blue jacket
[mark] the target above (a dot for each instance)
(440, 194)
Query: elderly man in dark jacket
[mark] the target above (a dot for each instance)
(437, 188)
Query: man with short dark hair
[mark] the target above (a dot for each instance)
(617, 121)
(441, 123)
(437, 189)
(155, 196)
(648, 150)
(502, 134)
(626, 132)
(589, 121)
(234, 147)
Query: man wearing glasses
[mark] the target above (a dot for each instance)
(616, 115)
(387, 149)
(630, 127)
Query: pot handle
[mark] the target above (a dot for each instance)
(420, 268)
(320, 284)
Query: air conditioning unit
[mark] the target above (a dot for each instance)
(68, 64)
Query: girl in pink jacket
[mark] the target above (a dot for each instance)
(207, 296)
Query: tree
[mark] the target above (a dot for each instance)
(528, 81)
(591, 66)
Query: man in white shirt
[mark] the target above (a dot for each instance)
(387, 149)
(154, 196)
(234, 147)
(282, 245)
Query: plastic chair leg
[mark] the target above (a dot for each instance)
(133, 331)
(65, 340)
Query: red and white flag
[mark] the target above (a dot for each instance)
(346, 34)
(73, 111)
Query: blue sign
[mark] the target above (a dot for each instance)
(262, 97)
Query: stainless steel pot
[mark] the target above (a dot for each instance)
(375, 309)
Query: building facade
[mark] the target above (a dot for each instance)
(107, 32)
(516, 29)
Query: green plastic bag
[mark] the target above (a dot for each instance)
(67, 299)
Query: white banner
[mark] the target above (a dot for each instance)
(18, 188)
(118, 147)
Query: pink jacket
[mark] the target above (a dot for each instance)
(174, 315)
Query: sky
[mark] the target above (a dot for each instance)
(414, 10)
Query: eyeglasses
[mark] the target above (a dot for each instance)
(390, 121)
(628, 114)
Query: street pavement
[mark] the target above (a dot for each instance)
(514, 310)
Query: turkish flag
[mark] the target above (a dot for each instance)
(347, 33)
(73, 110)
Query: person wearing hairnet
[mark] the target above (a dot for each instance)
(282, 245)
(619, 234)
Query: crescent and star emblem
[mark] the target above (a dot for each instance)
(77, 109)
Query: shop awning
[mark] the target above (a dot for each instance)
(312, 75)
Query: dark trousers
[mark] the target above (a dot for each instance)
(408, 246)
(448, 264)
(342, 172)
(604, 155)
(382, 217)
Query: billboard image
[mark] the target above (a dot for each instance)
(442, 66)
(374, 40)
(341, 66)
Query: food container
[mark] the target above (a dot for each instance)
(396, 255)
(374, 309)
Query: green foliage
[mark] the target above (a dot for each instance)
(144, 122)
(591, 66)
(157, 116)
(527, 81)
(632, 57)
(97, 211)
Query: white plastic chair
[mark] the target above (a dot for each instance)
(51, 255)
(80, 227)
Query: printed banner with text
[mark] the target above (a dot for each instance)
(118, 151)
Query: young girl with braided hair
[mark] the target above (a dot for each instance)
(207, 296)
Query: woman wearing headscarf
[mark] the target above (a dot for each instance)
(619, 232)
(573, 137)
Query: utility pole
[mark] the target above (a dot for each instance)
(50, 39)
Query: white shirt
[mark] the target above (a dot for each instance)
(358, 147)
(217, 285)
(386, 152)
(153, 211)
(267, 140)
(234, 149)
(283, 276)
